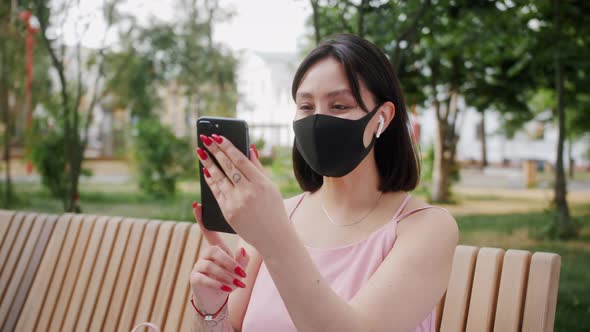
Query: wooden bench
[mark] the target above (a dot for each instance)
(97, 273)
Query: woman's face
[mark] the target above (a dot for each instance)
(324, 89)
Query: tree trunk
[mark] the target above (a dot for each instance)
(484, 152)
(562, 223)
(440, 167)
(361, 18)
(316, 20)
(7, 132)
(444, 151)
(572, 165)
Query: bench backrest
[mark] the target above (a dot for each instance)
(98, 273)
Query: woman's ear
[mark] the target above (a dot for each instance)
(386, 115)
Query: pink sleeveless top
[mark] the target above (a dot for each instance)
(346, 268)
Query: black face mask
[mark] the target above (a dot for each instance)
(332, 146)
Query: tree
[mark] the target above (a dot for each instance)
(74, 89)
(12, 85)
(9, 53)
(163, 54)
(570, 54)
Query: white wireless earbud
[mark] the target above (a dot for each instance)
(380, 129)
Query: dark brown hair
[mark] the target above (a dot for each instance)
(395, 154)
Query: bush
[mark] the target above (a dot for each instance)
(48, 156)
(161, 158)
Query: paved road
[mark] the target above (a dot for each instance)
(510, 179)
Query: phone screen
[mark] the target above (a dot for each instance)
(236, 131)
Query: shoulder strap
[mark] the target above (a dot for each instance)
(402, 206)
(301, 196)
(419, 209)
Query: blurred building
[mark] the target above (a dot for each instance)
(536, 141)
(264, 90)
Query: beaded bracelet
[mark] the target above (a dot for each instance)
(206, 316)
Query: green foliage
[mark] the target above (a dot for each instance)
(48, 157)
(161, 158)
(179, 56)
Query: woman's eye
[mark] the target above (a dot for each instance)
(340, 107)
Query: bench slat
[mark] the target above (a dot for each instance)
(459, 289)
(25, 282)
(114, 284)
(135, 275)
(64, 255)
(18, 262)
(98, 274)
(170, 274)
(17, 251)
(11, 240)
(180, 301)
(37, 296)
(541, 295)
(486, 279)
(86, 269)
(5, 222)
(73, 271)
(512, 290)
(155, 269)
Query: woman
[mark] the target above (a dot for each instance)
(337, 257)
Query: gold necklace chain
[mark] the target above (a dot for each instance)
(354, 223)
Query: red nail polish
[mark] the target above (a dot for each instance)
(206, 140)
(195, 204)
(239, 283)
(217, 138)
(202, 154)
(239, 271)
(255, 150)
(243, 252)
(226, 288)
(206, 173)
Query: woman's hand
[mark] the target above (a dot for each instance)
(250, 202)
(217, 272)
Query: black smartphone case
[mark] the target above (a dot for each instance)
(237, 132)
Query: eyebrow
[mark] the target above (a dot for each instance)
(344, 92)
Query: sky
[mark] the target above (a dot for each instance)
(258, 25)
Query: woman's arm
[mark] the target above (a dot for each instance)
(240, 298)
(399, 295)
(232, 315)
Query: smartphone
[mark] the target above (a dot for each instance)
(236, 131)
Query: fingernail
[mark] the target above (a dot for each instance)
(255, 150)
(217, 138)
(239, 271)
(239, 283)
(195, 204)
(243, 252)
(202, 154)
(226, 288)
(206, 140)
(206, 172)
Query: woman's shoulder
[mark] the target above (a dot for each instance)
(428, 218)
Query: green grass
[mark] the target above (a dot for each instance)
(112, 200)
